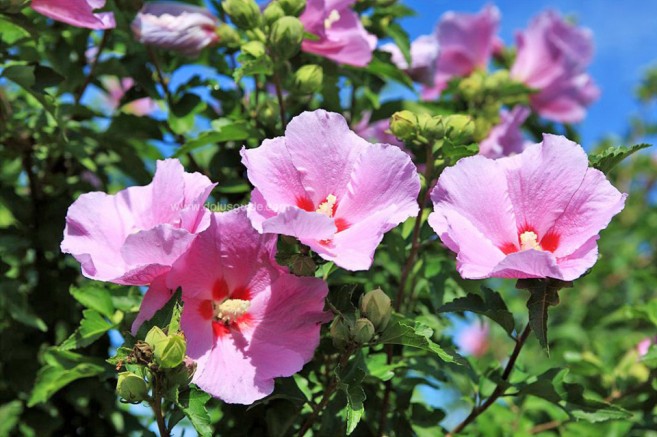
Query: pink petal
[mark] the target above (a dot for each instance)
(78, 13)
(156, 297)
(302, 224)
(527, 264)
(577, 263)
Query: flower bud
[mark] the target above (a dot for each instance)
(308, 79)
(228, 36)
(273, 12)
(131, 387)
(244, 13)
(293, 7)
(363, 331)
(375, 305)
(459, 128)
(155, 336)
(431, 128)
(403, 124)
(255, 49)
(340, 332)
(286, 36)
(170, 353)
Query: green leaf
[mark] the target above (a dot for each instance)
(162, 317)
(192, 403)
(33, 79)
(400, 37)
(544, 293)
(224, 130)
(413, 334)
(92, 327)
(251, 66)
(386, 70)
(91, 295)
(61, 369)
(350, 379)
(490, 305)
(10, 414)
(453, 152)
(608, 159)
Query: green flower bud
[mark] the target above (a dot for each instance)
(431, 128)
(244, 13)
(376, 306)
(403, 125)
(131, 387)
(308, 79)
(273, 12)
(363, 331)
(340, 332)
(497, 80)
(255, 49)
(293, 7)
(286, 36)
(459, 128)
(170, 353)
(228, 36)
(155, 336)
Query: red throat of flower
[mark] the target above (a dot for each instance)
(529, 239)
(228, 310)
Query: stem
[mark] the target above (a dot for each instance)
(279, 95)
(499, 390)
(156, 405)
(87, 80)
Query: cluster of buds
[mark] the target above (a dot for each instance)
(375, 311)
(422, 129)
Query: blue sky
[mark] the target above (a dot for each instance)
(625, 34)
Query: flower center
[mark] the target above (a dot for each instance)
(529, 240)
(327, 206)
(333, 16)
(230, 310)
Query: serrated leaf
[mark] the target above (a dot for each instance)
(401, 39)
(413, 334)
(490, 305)
(174, 324)
(386, 70)
(162, 317)
(543, 294)
(192, 403)
(349, 380)
(92, 326)
(94, 297)
(453, 152)
(10, 414)
(608, 159)
(223, 130)
(251, 66)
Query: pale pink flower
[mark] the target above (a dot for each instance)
(532, 215)
(176, 26)
(342, 37)
(506, 138)
(331, 189)
(246, 320)
(78, 13)
(117, 88)
(473, 339)
(552, 59)
(644, 345)
(135, 235)
(466, 43)
(376, 132)
(424, 52)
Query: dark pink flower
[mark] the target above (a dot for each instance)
(424, 52)
(466, 44)
(334, 191)
(78, 13)
(552, 58)
(135, 235)
(506, 138)
(245, 318)
(176, 26)
(533, 215)
(342, 37)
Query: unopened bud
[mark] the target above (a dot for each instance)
(273, 12)
(131, 387)
(170, 353)
(228, 36)
(363, 331)
(403, 125)
(254, 49)
(244, 13)
(293, 7)
(431, 128)
(497, 80)
(340, 332)
(286, 37)
(376, 306)
(459, 128)
(308, 79)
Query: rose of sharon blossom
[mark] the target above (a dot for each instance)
(78, 13)
(176, 26)
(466, 43)
(473, 339)
(552, 58)
(245, 318)
(135, 235)
(117, 88)
(424, 52)
(331, 189)
(506, 138)
(532, 215)
(342, 37)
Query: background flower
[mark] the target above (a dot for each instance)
(77, 13)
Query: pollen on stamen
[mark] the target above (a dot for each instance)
(328, 207)
(230, 310)
(529, 240)
(333, 16)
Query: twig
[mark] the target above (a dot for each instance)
(279, 96)
(87, 80)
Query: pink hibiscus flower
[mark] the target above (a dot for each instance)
(135, 235)
(466, 44)
(176, 26)
(473, 339)
(342, 37)
(78, 13)
(506, 138)
(552, 58)
(331, 189)
(245, 318)
(424, 52)
(532, 215)
(117, 88)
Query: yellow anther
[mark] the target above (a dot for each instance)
(231, 309)
(332, 18)
(529, 240)
(326, 207)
